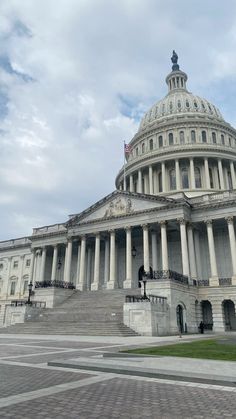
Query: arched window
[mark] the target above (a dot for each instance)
(211, 178)
(229, 180)
(181, 137)
(204, 137)
(160, 141)
(193, 136)
(151, 144)
(171, 139)
(197, 175)
(171, 106)
(203, 107)
(179, 105)
(184, 174)
(172, 179)
(136, 150)
(214, 138)
(160, 182)
(143, 148)
(195, 105)
(230, 142)
(222, 139)
(187, 104)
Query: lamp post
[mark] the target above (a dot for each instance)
(30, 286)
(144, 279)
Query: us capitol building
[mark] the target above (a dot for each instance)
(170, 221)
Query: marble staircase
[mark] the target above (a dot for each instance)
(84, 313)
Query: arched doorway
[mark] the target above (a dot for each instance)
(181, 318)
(229, 314)
(207, 314)
(140, 274)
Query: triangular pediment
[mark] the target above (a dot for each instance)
(119, 204)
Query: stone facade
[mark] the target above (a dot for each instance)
(172, 217)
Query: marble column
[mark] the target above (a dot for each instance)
(96, 277)
(82, 278)
(198, 253)
(106, 261)
(212, 254)
(54, 263)
(150, 173)
(32, 265)
(146, 184)
(43, 264)
(232, 171)
(177, 174)
(78, 264)
(18, 283)
(128, 279)
(140, 188)
(164, 246)
(207, 176)
(192, 174)
(67, 269)
(112, 279)
(184, 247)
(89, 269)
(230, 222)
(221, 175)
(131, 183)
(191, 251)
(163, 175)
(154, 251)
(146, 261)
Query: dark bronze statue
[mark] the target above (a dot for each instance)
(174, 60)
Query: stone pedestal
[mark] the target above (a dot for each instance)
(214, 281)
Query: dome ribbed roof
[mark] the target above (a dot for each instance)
(179, 103)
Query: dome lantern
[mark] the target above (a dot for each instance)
(176, 80)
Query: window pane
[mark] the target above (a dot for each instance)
(172, 179)
(160, 140)
(181, 137)
(171, 139)
(193, 137)
(197, 174)
(214, 138)
(185, 183)
(204, 137)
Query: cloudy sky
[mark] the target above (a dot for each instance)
(75, 78)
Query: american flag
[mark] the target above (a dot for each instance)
(127, 148)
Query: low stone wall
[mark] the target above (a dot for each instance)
(52, 296)
(14, 315)
(146, 318)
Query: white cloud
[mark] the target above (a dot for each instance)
(82, 72)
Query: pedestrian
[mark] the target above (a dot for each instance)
(201, 327)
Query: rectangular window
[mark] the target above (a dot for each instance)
(25, 289)
(15, 264)
(13, 288)
(27, 263)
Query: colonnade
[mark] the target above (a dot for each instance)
(106, 277)
(154, 178)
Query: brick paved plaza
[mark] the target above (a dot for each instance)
(31, 389)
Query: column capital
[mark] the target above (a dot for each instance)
(230, 219)
(182, 221)
(128, 228)
(144, 226)
(190, 224)
(208, 222)
(112, 230)
(163, 223)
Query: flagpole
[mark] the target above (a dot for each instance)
(124, 188)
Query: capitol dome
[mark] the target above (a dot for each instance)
(183, 144)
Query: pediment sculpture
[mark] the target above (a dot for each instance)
(119, 207)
